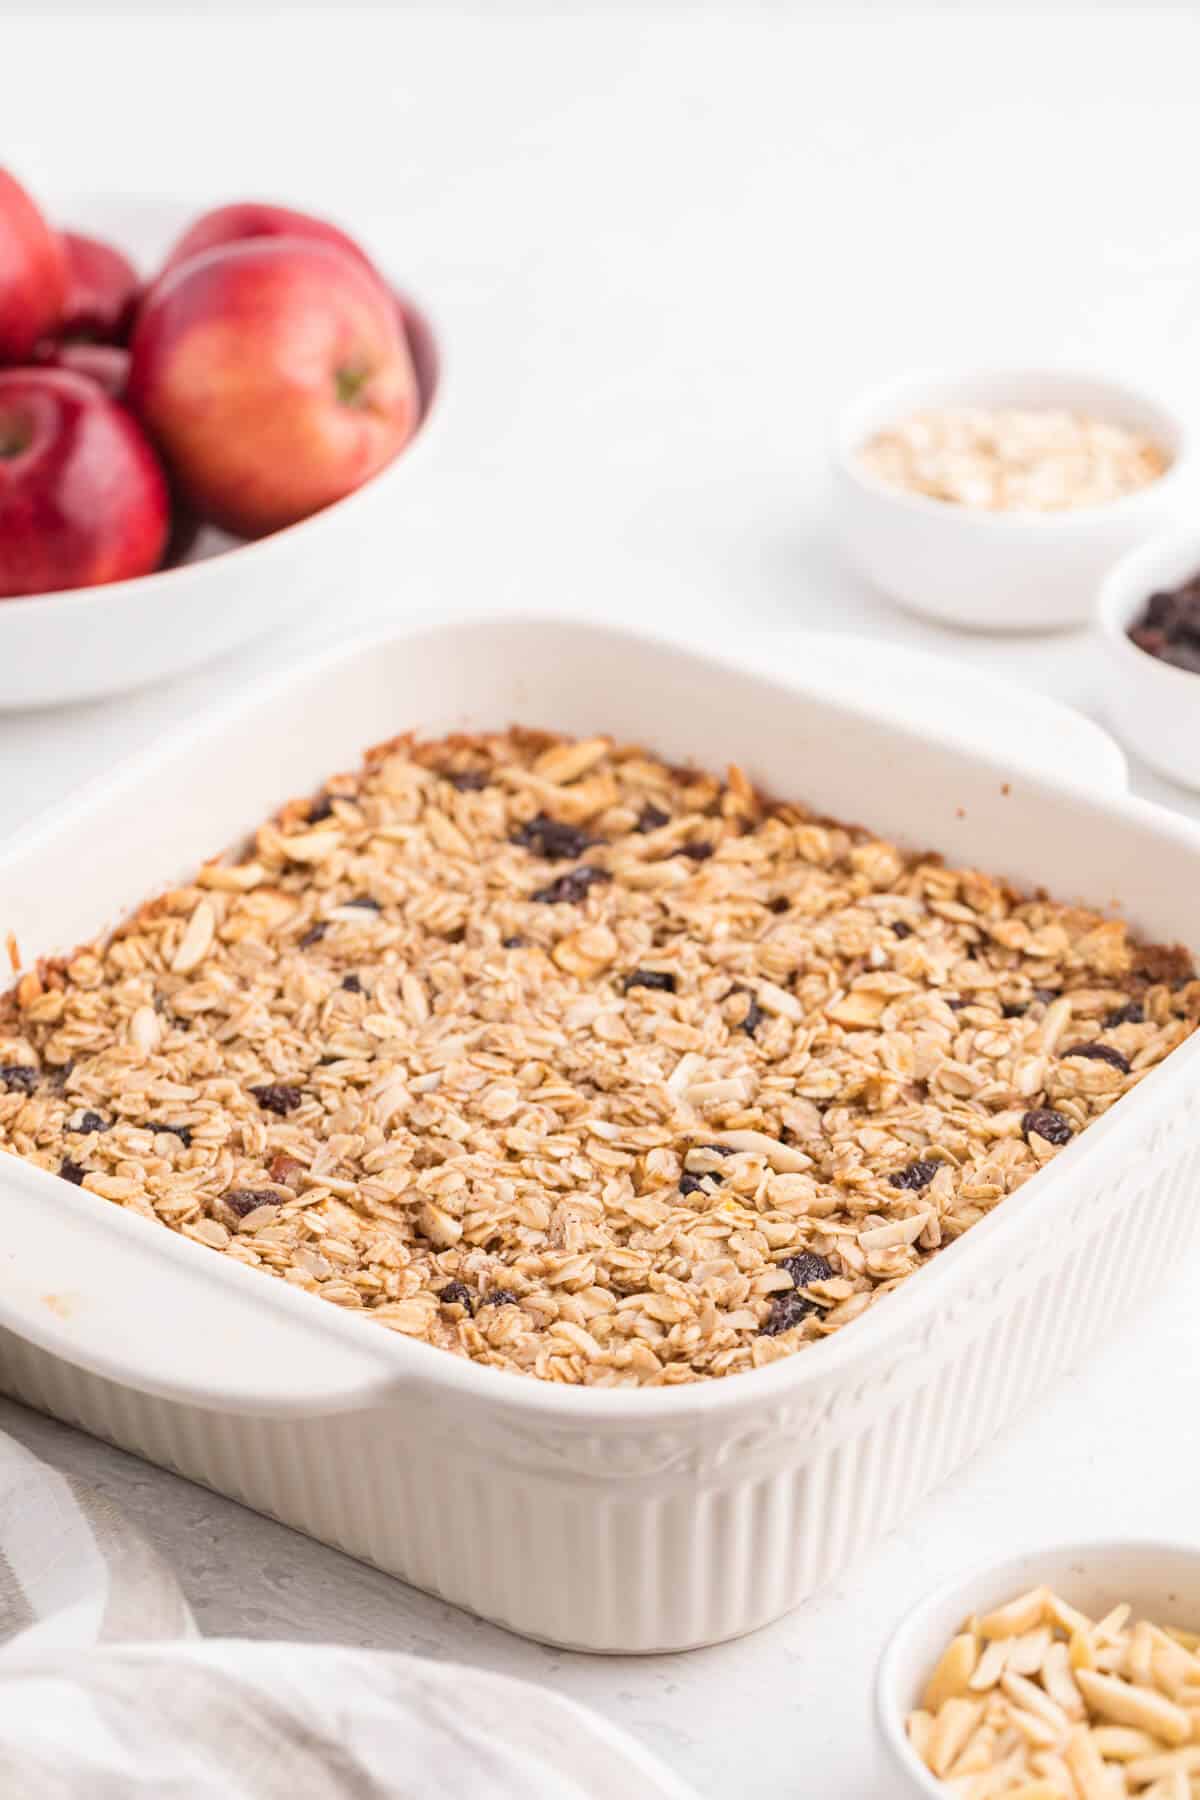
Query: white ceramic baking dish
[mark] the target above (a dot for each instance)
(605, 1520)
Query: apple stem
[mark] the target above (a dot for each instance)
(15, 436)
(351, 385)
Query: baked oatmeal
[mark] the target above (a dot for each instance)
(577, 1064)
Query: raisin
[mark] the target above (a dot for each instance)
(499, 1297)
(957, 1005)
(916, 1175)
(1132, 1013)
(352, 984)
(699, 850)
(753, 1016)
(694, 1184)
(313, 935)
(1013, 1012)
(514, 943)
(901, 929)
(550, 838)
(275, 1097)
(1169, 628)
(284, 1169)
(806, 1267)
(786, 1310)
(572, 887)
(1101, 1053)
(468, 781)
(321, 808)
(652, 818)
(365, 903)
(753, 1019)
(91, 1121)
(72, 1172)
(658, 979)
(455, 1293)
(18, 1078)
(718, 1149)
(242, 1201)
(780, 904)
(1048, 1124)
(182, 1132)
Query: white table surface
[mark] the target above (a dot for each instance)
(663, 243)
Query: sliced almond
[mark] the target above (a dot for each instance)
(955, 1721)
(781, 1157)
(310, 846)
(1038, 1733)
(1108, 1629)
(919, 1726)
(1027, 1695)
(1127, 1705)
(567, 762)
(1139, 1666)
(1167, 1763)
(953, 1672)
(896, 1231)
(777, 1000)
(978, 1755)
(1068, 1617)
(145, 1030)
(1019, 1615)
(196, 941)
(991, 1665)
(1122, 1743)
(1027, 1652)
(1060, 1683)
(1087, 1766)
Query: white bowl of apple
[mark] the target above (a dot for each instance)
(187, 459)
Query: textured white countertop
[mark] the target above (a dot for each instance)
(663, 244)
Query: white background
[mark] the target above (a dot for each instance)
(663, 244)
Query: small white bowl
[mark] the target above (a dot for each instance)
(1155, 707)
(84, 643)
(1160, 1580)
(993, 571)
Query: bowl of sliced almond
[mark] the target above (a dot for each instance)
(1070, 1672)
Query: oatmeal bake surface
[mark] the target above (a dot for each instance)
(578, 1064)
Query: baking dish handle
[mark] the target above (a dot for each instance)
(116, 1295)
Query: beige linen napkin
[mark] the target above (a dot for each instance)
(107, 1693)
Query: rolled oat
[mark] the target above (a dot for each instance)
(1013, 460)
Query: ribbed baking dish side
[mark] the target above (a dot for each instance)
(600, 1521)
(699, 1547)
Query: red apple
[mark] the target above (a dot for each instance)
(106, 364)
(82, 497)
(255, 219)
(33, 273)
(102, 290)
(274, 377)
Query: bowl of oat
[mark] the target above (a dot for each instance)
(998, 500)
(1072, 1671)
